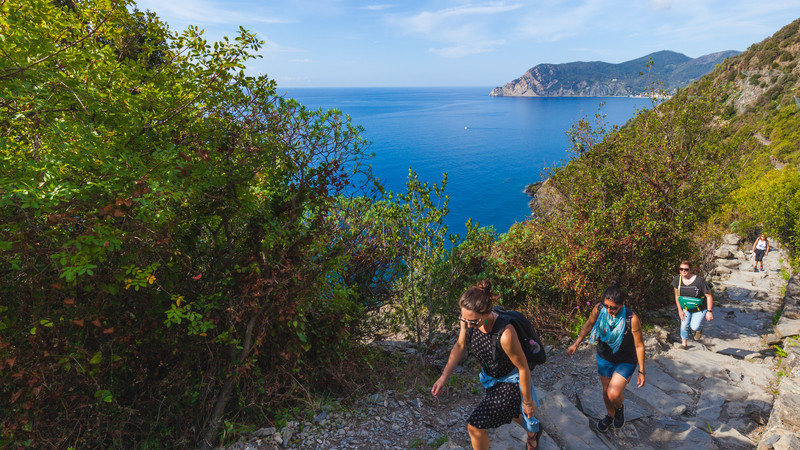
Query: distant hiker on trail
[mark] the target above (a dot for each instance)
(761, 249)
(694, 301)
(505, 374)
(620, 349)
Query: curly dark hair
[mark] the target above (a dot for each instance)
(614, 293)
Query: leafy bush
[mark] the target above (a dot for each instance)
(174, 239)
(773, 200)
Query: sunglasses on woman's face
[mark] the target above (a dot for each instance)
(612, 308)
(474, 323)
(684, 269)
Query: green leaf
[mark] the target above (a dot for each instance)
(97, 358)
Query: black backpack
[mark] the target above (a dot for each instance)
(528, 338)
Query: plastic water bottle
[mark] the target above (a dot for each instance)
(535, 346)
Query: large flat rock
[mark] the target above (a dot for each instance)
(561, 418)
(674, 434)
(755, 318)
(658, 400)
(787, 327)
(736, 293)
(656, 376)
(732, 327)
(708, 411)
(591, 402)
(731, 439)
(723, 388)
(691, 364)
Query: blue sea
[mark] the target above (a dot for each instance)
(490, 147)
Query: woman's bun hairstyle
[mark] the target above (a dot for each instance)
(486, 285)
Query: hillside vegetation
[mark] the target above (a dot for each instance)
(720, 154)
(184, 254)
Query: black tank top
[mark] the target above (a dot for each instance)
(627, 349)
(494, 360)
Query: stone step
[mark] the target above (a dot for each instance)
(657, 400)
(675, 434)
(562, 419)
(513, 437)
(657, 376)
(752, 375)
(729, 438)
(688, 366)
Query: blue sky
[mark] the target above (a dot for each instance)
(355, 43)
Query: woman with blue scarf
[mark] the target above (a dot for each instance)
(620, 348)
(504, 374)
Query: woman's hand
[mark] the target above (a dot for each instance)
(709, 316)
(438, 386)
(572, 349)
(529, 409)
(640, 380)
(681, 314)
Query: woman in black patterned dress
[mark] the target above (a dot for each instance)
(506, 398)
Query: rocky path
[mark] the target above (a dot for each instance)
(717, 394)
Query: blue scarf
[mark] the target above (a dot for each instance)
(609, 329)
(529, 423)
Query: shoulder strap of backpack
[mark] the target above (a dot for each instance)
(628, 317)
(505, 320)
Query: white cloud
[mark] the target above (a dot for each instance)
(378, 7)
(553, 22)
(203, 12)
(661, 4)
(462, 30)
(429, 22)
(466, 50)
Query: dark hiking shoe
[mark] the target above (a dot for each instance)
(533, 440)
(604, 423)
(619, 417)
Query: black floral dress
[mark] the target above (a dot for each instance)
(501, 402)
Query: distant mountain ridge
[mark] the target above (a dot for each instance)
(601, 79)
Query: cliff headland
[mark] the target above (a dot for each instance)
(664, 70)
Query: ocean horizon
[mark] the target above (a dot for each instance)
(490, 147)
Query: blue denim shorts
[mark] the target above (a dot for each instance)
(607, 369)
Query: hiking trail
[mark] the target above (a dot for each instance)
(716, 394)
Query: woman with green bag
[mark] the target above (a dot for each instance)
(694, 301)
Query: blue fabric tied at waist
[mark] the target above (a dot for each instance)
(531, 424)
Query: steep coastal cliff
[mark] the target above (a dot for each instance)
(669, 71)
